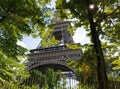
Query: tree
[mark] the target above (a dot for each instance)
(49, 79)
(101, 17)
(85, 68)
(18, 18)
(11, 70)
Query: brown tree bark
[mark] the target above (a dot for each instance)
(101, 69)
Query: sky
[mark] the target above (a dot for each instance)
(31, 43)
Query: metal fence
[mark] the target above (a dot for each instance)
(59, 82)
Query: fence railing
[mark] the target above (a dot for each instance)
(61, 84)
(55, 80)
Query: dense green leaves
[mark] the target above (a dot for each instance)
(103, 22)
(117, 63)
(85, 68)
(11, 68)
(106, 16)
(18, 18)
(25, 17)
(50, 79)
(73, 46)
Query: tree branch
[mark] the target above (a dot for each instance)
(112, 12)
(77, 13)
(113, 24)
(105, 16)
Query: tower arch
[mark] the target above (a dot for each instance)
(55, 57)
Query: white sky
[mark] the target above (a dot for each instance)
(80, 36)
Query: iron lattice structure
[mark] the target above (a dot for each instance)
(55, 57)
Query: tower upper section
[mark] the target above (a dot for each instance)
(61, 33)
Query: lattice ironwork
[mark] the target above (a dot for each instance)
(55, 57)
(52, 55)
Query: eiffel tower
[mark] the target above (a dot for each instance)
(55, 57)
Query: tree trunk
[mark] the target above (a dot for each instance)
(101, 70)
